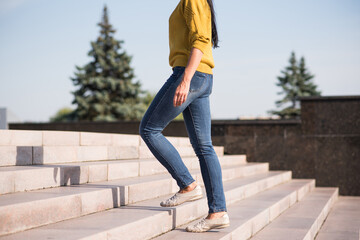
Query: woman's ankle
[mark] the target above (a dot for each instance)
(189, 188)
(216, 215)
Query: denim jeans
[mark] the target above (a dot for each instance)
(197, 118)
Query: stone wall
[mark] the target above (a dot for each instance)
(324, 144)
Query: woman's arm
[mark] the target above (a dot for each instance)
(184, 86)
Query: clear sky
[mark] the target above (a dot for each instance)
(41, 41)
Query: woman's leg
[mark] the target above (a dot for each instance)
(198, 124)
(159, 114)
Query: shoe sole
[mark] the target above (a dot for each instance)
(223, 226)
(217, 227)
(188, 200)
(195, 198)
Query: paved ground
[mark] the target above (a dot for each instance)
(343, 222)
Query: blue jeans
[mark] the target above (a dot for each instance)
(197, 118)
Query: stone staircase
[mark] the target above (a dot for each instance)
(82, 185)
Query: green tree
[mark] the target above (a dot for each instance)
(63, 115)
(295, 82)
(106, 91)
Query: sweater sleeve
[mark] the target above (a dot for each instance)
(197, 21)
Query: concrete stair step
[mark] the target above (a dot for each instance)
(74, 138)
(251, 214)
(304, 219)
(343, 221)
(146, 219)
(27, 147)
(35, 155)
(25, 178)
(184, 151)
(24, 210)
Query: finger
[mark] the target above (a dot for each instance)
(177, 103)
(182, 100)
(185, 97)
(175, 100)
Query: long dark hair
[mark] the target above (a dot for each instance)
(215, 39)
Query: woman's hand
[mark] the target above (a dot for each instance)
(184, 86)
(182, 91)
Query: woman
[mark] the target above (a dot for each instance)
(192, 34)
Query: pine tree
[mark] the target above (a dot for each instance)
(62, 115)
(295, 82)
(106, 91)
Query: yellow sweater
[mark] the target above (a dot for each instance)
(190, 26)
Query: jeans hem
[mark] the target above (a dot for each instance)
(188, 184)
(218, 210)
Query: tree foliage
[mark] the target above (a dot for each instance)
(296, 81)
(62, 115)
(106, 91)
